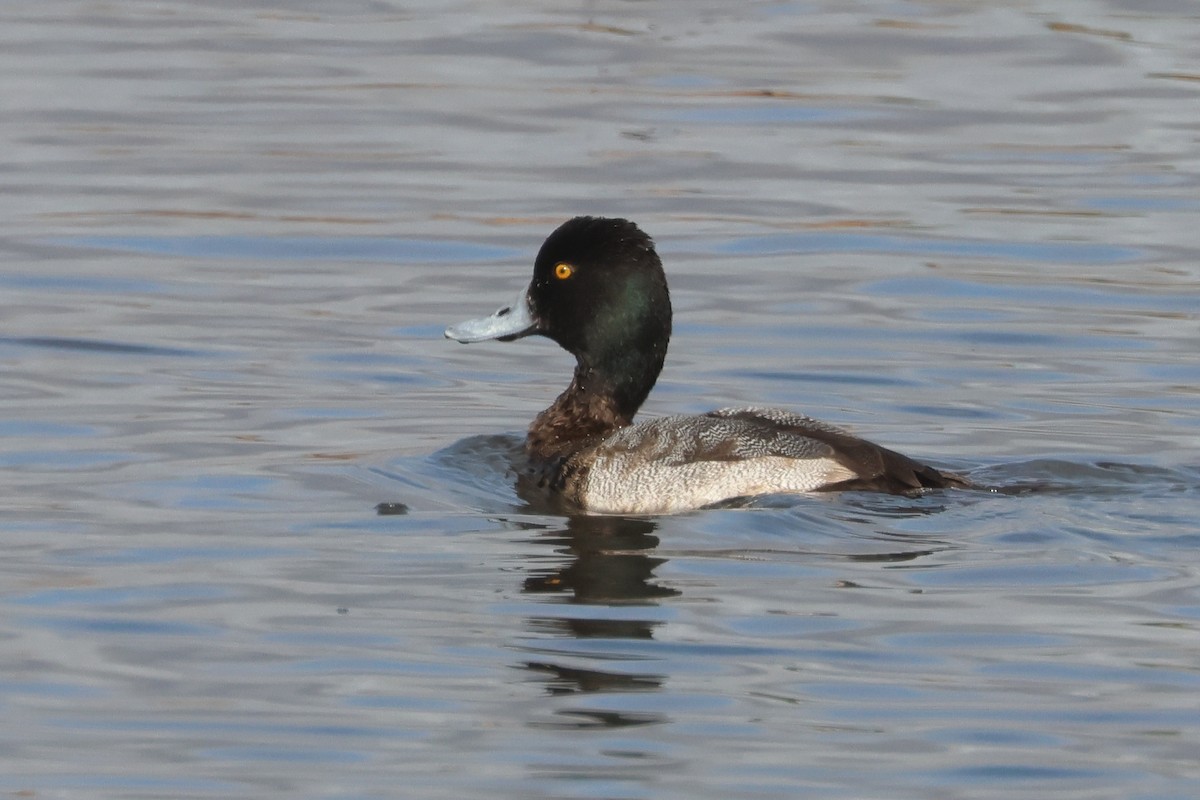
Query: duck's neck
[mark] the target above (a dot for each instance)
(594, 405)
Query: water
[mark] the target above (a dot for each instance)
(233, 233)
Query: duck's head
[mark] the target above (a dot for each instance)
(599, 291)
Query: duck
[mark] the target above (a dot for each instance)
(599, 291)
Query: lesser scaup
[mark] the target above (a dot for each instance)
(599, 291)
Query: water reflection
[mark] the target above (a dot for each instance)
(562, 679)
(611, 565)
(610, 562)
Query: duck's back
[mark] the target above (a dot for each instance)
(688, 461)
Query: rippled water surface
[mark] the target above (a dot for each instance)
(232, 234)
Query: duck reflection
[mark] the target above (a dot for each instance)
(611, 565)
(610, 562)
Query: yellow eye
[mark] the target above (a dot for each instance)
(562, 270)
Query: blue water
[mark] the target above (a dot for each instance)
(262, 535)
